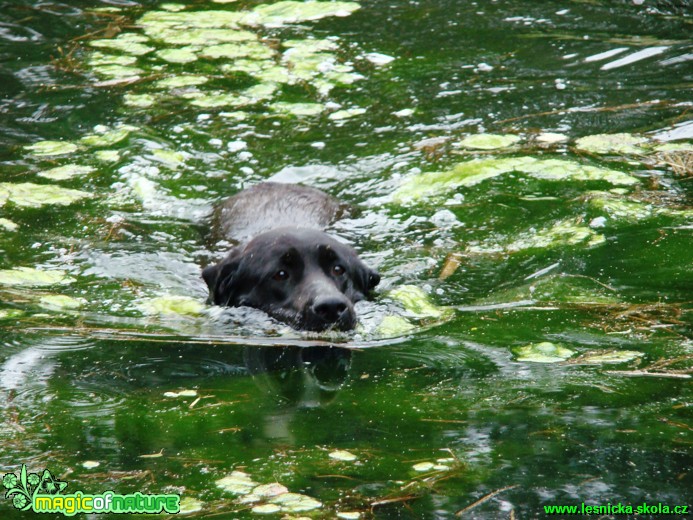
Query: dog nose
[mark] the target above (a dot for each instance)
(330, 309)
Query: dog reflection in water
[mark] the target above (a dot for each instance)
(300, 377)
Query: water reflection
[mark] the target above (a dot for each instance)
(297, 378)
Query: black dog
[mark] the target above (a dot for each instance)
(290, 268)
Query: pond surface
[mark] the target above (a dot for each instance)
(530, 343)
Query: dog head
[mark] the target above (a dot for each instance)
(302, 277)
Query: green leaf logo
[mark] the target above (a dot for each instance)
(22, 489)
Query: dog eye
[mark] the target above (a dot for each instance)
(281, 275)
(338, 270)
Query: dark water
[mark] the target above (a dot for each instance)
(84, 379)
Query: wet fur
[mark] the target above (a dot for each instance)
(290, 268)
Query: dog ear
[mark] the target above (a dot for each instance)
(366, 278)
(220, 279)
(373, 279)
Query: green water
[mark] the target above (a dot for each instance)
(121, 386)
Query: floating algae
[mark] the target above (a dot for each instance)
(67, 171)
(561, 234)
(417, 304)
(288, 12)
(8, 225)
(295, 503)
(105, 137)
(59, 302)
(393, 325)
(238, 483)
(30, 277)
(30, 195)
(544, 352)
(343, 455)
(298, 109)
(178, 55)
(473, 172)
(557, 289)
(599, 357)
(613, 144)
(127, 43)
(173, 305)
(50, 148)
(619, 209)
(489, 141)
(347, 113)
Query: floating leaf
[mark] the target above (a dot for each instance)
(423, 466)
(172, 7)
(182, 393)
(544, 352)
(139, 100)
(551, 138)
(246, 49)
(489, 141)
(260, 92)
(269, 490)
(405, 112)
(189, 505)
(218, 100)
(181, 81)
(60, 302)
(393, 325)
(378, 59)
(674, 147)
(564, 233)
(66, 171)
(169, 157)
(90, 464)
(107, 155)
(295, 502)
(238, 483)
(32, 195)
(619, 209)
(156, 23)
(613, 143)
(8, 314)
(416, 303)
(108, 137)
(311, 46)
(346, 114)
(128, 43)
(28, 276)
(563, 169)
(343, 455)
(288, 12)
(50, 148)
(561, 234)
(200, 37)
(298, 109)
(597, 357)
(475, 171)
(8, 224)
(355, 515)
(118, 72)
(184, 55)
(266, 509)
(99, 59)
(173, 305)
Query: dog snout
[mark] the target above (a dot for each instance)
(333, 311)
(329, 309)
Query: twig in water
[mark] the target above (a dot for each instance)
(484, 499)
